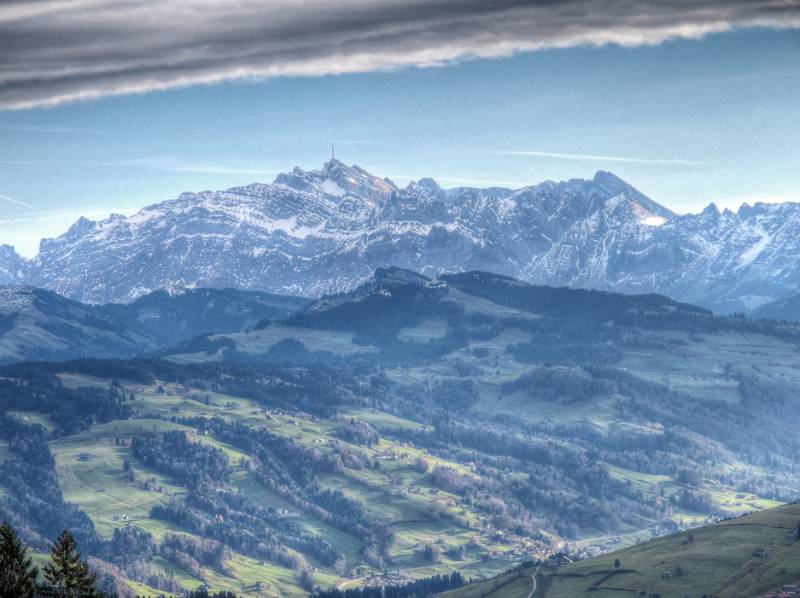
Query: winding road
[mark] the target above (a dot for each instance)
(533, 582)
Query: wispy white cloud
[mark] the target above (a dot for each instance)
(49, 129)
(97, 48)
(213, 169)
(177, 164)
(16, 201)
(598, 158)
(489, 182)
(66, 215)
(448, 181)
(168, 164)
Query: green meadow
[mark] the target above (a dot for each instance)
(716, 560)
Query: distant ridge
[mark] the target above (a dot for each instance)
(315, 232)
(37, 324)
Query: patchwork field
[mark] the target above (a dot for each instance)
(91, 472)
(414, 430)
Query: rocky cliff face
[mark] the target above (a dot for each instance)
(13, 268)
(322, 231)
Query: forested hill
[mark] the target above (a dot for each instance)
(407, 429)
(787, 309)
(395, 299)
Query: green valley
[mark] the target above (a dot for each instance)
(408, 429)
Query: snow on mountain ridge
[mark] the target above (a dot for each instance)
(322, 231)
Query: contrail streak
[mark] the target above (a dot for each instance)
(597, 158)
(16, 201)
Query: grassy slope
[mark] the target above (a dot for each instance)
(397, 493)
(718, 560)
(90, 471)
(693, 364)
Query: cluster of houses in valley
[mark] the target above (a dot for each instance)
(556, 560)
(396, 578)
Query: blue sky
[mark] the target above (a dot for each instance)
(686, 121)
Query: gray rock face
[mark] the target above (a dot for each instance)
(323, 231)
(13, 268)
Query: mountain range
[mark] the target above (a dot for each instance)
(324, 231)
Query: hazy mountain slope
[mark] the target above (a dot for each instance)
(169, 317)
(729, 261)
(36, 324)
(780, 309)
(716, 560)
(39, 324)
(324, 231)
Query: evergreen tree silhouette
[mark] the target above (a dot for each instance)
(68, 571)
(17, 574)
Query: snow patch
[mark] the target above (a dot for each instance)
(747, 257)
(292, 228)
(653, 220)
(645, 216)
(332, 188)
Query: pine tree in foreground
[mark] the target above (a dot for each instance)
(17, 574)
(68, 571)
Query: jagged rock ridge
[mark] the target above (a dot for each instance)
(324, 231)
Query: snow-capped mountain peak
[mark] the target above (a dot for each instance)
(339, 180)
(14, 269)
(313, 232)
(425, 188)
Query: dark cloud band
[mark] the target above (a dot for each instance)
(54, 51)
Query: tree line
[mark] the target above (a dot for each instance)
(428, 586)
